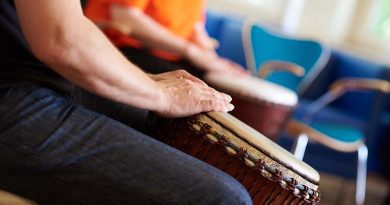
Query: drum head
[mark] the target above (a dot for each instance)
(252, 87)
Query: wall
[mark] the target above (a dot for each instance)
(266, 10)
(344, 24)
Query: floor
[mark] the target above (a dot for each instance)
(338, 191)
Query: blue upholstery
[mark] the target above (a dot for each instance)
(383, 142)
(350, 66)
(329, 114)
(214, 23)
(345, 65)
(230, 43)
(227, 31)
(268, 44)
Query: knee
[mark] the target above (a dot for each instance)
(229, 191)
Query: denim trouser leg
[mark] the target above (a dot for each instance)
(56, 152)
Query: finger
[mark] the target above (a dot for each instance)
(211, 96)
(217, 94)
(217, 98)
(213, 105)
(186, 75)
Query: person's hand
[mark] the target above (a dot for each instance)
(200, 38)
(183, 97)
(209, 61)
(177, 74)
(226, 66)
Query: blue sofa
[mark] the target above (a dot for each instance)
(368, 111)
(227, 30)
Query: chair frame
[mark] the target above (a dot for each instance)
(306, 133)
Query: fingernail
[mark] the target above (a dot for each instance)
(230, 107)
(228, 97)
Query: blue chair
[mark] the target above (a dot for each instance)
(337, 136)
(364, 111)
(264, 44)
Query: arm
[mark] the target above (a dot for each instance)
(60, 36)
(148, 31)
(153, 35)
(201, 38)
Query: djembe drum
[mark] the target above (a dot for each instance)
(263, 105)
(269, 173)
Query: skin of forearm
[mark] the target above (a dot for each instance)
(148, 31)
(111, 76)
(77, 50)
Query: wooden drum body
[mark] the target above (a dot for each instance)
(269, 173)
(263, 105)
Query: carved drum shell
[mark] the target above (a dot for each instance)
(269, 173)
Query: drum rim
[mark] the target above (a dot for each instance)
(210, 78)
(288, 108)
(213, 115)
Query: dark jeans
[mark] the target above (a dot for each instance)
(152, 64)
(58, 148)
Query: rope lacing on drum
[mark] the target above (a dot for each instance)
(243, 153)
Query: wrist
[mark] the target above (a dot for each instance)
(160, 99)
(182, 47)
(189, 50)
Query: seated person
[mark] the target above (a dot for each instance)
(161, 35)
(70, 103)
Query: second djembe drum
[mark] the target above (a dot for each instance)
(263, 105)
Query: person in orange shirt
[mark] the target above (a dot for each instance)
(160, 35)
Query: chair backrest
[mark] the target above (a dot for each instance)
(263, 43)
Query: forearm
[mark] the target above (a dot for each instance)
(148, 31)
(78, 51)
(103, 71)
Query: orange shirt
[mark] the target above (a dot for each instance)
(178, 16)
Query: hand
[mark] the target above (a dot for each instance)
(183, 97)
(211, 62)
(200, 38)
(226, 66)
(177, 74)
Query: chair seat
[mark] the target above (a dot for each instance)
(339, 132)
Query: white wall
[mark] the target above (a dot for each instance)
(267, 10)
(344, 24)
(328, 20)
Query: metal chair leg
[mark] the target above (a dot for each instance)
(361, 175)
(300, 146)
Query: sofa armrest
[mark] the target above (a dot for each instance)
(342, 86)
(353, 84)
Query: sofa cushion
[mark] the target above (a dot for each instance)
(329, 115)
